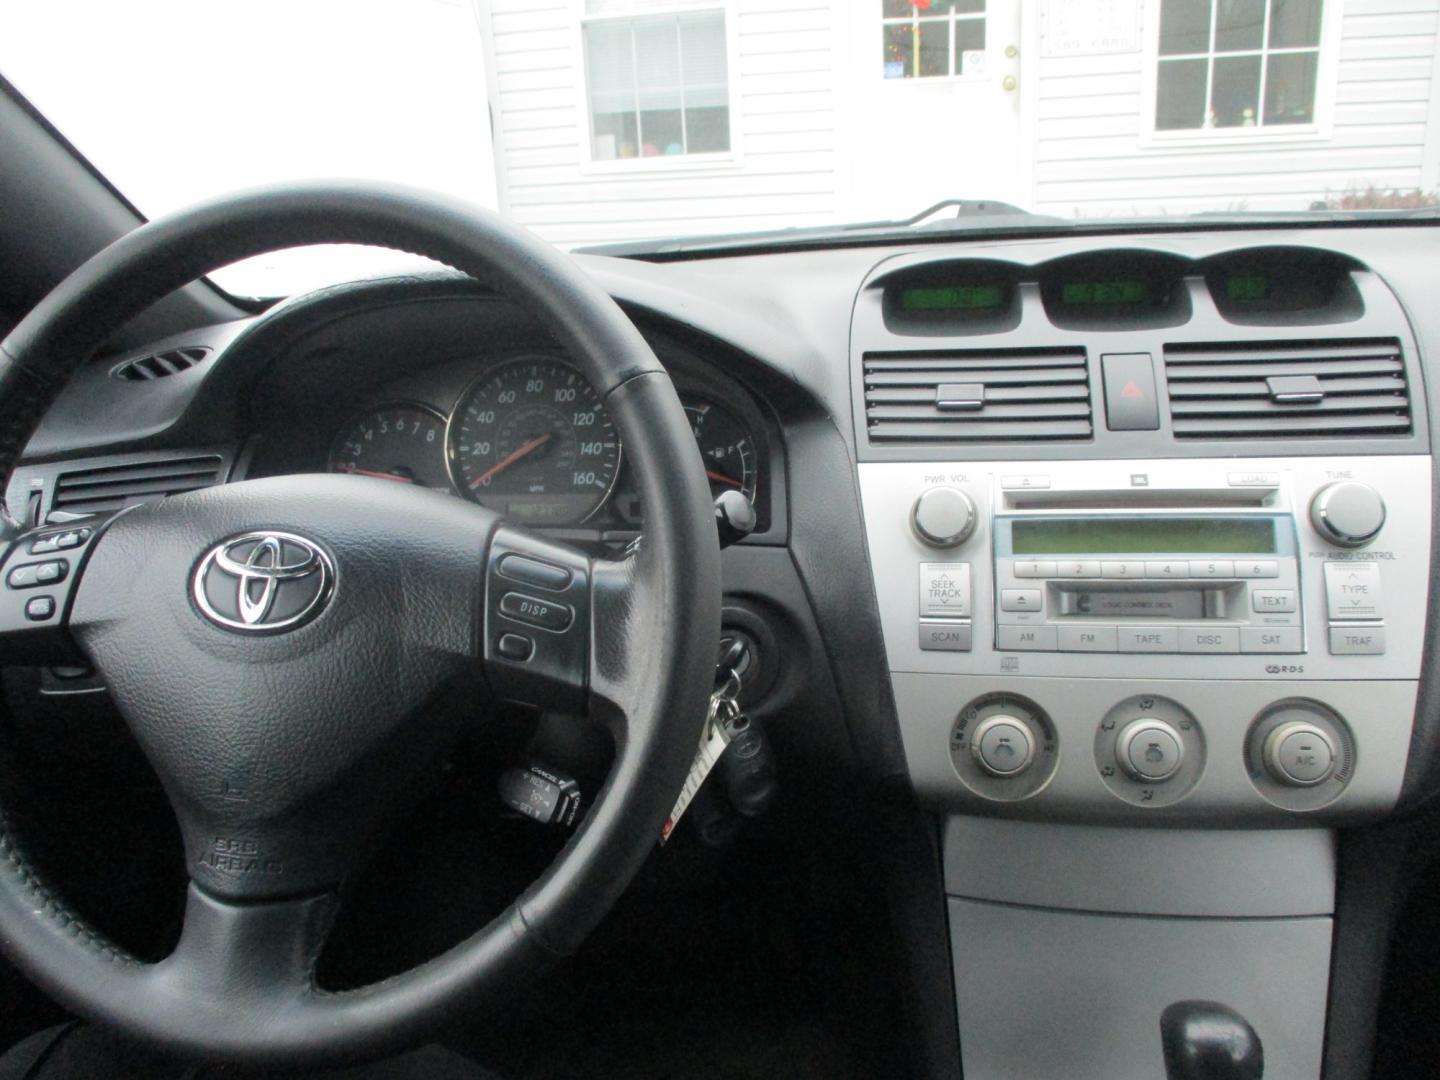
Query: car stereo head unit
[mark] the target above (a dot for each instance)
(1147, 582)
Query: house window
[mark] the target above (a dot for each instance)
(1237, 63)
(926, 39)
(658, 84)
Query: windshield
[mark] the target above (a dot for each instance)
(605, 121)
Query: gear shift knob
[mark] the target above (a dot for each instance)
(1205, 1040)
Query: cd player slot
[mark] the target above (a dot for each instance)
(1146, 497)
(1108, 601)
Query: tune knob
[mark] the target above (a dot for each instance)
(1348, 513)
(943, 517)
(1298, 754)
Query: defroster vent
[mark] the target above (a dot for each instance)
(1288, 389)
(114, 487)
(977, 395)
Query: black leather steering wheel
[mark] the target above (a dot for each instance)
(286, 744)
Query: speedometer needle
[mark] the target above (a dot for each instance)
(381, 475)
(722, 478)
(510, 459)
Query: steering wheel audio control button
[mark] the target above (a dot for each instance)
(546, 614)
(943, 517)
(515, 647)
(1150, 750)
(1003, 745)
(39, 608)
(34, 574)
(1299, 754)
(541, 575)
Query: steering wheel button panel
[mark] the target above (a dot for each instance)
(546, 614)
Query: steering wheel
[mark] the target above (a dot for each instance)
(273, 646)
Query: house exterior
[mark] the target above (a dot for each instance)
(624, 119)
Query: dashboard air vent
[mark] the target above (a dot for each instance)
(977, 395)
(113, 487)
(158, 365)
(1288, 389)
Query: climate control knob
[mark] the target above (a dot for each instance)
(1298, 754)
(943, 517)
(1149, 750)
(1348, 513)
(1003, 745)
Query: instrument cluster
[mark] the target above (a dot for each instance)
(529, 437)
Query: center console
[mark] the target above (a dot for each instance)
(1152, 561)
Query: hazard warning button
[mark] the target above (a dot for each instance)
(1130, 403)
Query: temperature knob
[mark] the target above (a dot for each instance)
(1348, 513)
(943, 517)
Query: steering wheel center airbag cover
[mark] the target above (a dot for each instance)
(263, 582)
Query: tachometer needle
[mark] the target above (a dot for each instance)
(381, 475)
(510, 459)
(722, 478)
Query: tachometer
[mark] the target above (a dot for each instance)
(531, 440)
(725, 447)
(398, 441)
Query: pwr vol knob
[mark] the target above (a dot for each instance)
(943, 517)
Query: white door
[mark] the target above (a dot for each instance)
(933, 106)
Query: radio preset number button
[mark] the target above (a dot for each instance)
(1175, 568)
(1033, 568)
(1124, 569)
(1258, 568)
(1218, 568)
(1078, 568)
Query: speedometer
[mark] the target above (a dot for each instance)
(531, 440)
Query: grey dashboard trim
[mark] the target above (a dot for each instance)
(1194, 873)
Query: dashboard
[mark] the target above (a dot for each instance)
(1115, 551)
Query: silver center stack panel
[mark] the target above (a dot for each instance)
(1089, 597)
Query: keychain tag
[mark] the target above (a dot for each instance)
(719, 727)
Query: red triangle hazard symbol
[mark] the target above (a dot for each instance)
(1131, 389)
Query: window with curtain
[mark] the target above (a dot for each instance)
(932, 38)
(658, 84)
(1237, 63)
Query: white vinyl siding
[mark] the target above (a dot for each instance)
(1096, 153)
(780, 169)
